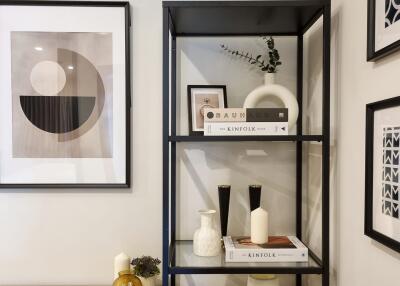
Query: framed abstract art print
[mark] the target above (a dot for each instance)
(382, 172)
(65, 94)
(383, 28)
(201, 97)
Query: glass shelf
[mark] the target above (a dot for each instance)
(282, 138)
(184, 261)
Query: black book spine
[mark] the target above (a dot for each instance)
(267, 115)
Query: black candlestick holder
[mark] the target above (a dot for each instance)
(255, 196)
(224, 192)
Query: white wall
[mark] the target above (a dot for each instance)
(360, 260)
(356, 260)
(70, 237)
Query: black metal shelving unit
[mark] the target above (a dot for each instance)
(241, 18)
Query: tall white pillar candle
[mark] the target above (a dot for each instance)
(121, 262)
(259, 226)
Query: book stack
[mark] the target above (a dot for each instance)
(245, 121)
(277, 249)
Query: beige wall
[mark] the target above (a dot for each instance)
(360, 260)
(71, 236)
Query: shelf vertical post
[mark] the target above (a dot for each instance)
(173, 151)
(299, 145)
(326, 143)
(166, 159)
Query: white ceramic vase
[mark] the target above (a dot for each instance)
(262, 280)
(151, 281)
(271, 89)
(206, 239)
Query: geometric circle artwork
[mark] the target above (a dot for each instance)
(65, 101)
(62, 94)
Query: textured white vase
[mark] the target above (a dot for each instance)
(206, 240)
(271, 89)
(262, 280)
(151, 281)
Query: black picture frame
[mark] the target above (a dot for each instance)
(372, 53)
(189, 93)
(369, 170)
(111, 4)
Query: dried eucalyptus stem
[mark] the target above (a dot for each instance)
(267, 65)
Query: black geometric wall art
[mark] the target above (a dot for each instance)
(383, 37)
(382, 172)
(395, 210)
(390, 171)
(64, 113)
(387, 191)
(392, 12)
(395, 157)
(62, 94)
(396, 140)
(395, 192)
(65, 82)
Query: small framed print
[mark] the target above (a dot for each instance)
(64, 94)
(201, 97)
(382, 172)
(383, 28)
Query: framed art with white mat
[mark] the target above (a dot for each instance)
(382, 172)
(383, 28)
(65, 94)
(201, 97)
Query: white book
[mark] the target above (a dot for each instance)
(245, 128)
(278, 249)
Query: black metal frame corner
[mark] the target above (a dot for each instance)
(372, 54)
(128, 104)
(369, 170)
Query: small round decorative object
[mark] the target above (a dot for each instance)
(127, 278)
(271, 89)
(210, 115)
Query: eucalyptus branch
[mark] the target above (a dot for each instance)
(269, 65)
(274, 58)
(247, 56)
